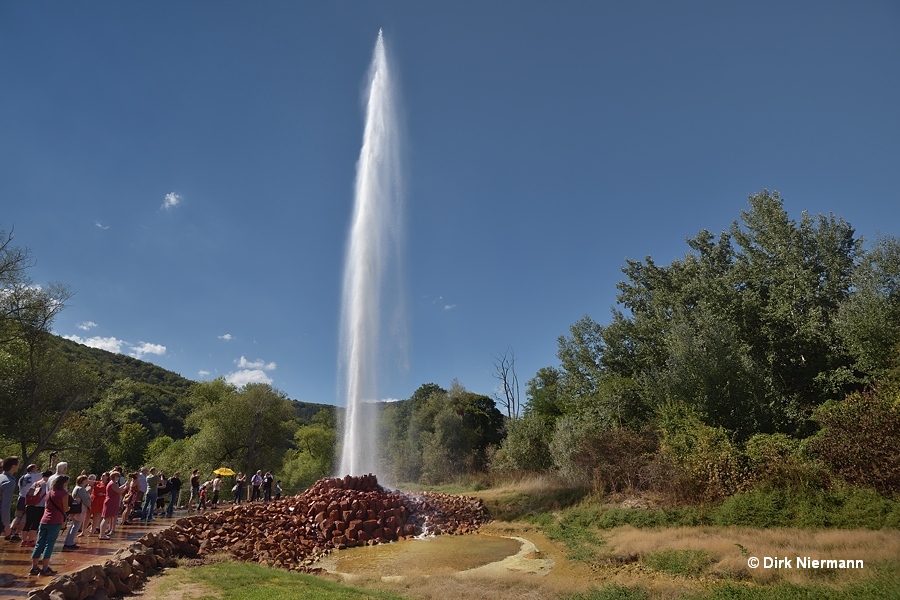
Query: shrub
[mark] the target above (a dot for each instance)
(708, 465)
(527, 445)
(859, 440)
(609, 459)
(778, 461)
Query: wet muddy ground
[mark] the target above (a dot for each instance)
(15, 561)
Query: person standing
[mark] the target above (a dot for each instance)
(195, 489)
(111, 504)
(25, 482)
(142, 485)
(132, 492)
(98, 496)
(61, 469)
(256, 483)
(239, 488)
(278, 490)
(268, 480)
(7, 492)
(35, 501)
(174, 487)
(81, 495)
(57, 505)
(216, 485)
(150, 498)
(201, 505)
(162, 493)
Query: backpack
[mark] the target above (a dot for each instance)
(35, 494)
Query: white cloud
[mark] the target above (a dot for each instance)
(147, 348)
(101, 225)
(86, 325)
(449, 306)
(110, 344)
(258, 364)
(172, 200)
(203, 373)
(114, 344)
(227, 337)
(245, 376)
(250, 371)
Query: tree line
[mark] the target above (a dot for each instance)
(768, 355)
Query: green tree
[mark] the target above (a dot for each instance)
(869, 321)
(313, 456)
(542, 394)
(742, 329)
(250, 429)
(130, 446)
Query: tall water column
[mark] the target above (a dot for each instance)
(371, 292)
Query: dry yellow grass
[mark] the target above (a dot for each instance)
(731, 547)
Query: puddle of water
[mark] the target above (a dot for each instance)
(434, 555)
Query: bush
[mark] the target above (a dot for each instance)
(859, 440)
(527, 445)
(708, 466)
(778, 461)
(610, 460)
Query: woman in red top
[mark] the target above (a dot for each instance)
(98, 495)
(114, 493)
(54, 515)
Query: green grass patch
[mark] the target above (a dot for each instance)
(611, 592)
(652, 517)
(576, 529)
(246, 581)
(688, 563)
(842, 508)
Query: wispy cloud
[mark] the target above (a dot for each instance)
(110, 344)
(439, 301)
(227, 337)
(147, 348)
(203, 373)
(101, 225)
(243, 363)
(86, 325)
(171, 201)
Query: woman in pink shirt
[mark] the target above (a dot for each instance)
(114, 493)
(54, 515)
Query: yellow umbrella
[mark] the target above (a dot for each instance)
(224, 472)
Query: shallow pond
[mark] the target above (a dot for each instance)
(434, 555)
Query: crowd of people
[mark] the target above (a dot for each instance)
(96, 505)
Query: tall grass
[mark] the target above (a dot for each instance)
(842, 508)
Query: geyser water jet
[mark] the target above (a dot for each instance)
(371, 269)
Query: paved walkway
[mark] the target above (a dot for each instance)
(15, 561)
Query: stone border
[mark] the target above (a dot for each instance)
(126, 571)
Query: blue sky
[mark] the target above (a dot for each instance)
(188, 168)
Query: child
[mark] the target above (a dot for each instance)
(278, 490)
(202, 504)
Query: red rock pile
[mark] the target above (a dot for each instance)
(290, 533)
(333, 514)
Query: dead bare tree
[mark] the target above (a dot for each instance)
(505, 373)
